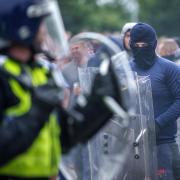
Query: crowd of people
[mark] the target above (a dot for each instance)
(44, 116)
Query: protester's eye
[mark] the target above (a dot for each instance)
(141, 45)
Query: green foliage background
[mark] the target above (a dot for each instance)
(164, 15)
(79, 15)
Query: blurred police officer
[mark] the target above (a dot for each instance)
(30, 95)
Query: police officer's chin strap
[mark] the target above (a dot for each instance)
(92, 112)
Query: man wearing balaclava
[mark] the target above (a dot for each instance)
(165, 82)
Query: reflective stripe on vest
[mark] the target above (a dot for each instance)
(24, 96)
(42, 158)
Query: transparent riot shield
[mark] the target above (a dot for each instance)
(76, 165)
(126, 152)
(142, 160)
(106, 155)
(86, 75)
(178, 132)
(118, 151)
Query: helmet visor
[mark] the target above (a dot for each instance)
(51, 37)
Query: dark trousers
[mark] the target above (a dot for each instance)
(168, 161)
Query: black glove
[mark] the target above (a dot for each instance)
(106, 85)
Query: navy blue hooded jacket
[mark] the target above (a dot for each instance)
(165, 81)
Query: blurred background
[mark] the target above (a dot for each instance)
(109, 16)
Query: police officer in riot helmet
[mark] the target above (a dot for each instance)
(34, 126)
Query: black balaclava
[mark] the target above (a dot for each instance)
(144, 57)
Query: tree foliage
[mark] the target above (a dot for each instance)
(79, 15)
(163, 15)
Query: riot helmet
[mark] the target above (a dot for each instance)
(32, 23)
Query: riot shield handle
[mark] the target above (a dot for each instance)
(136, 143)
(117, 110)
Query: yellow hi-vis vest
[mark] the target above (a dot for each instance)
(42, 157)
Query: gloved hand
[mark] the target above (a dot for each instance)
(106, 85)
